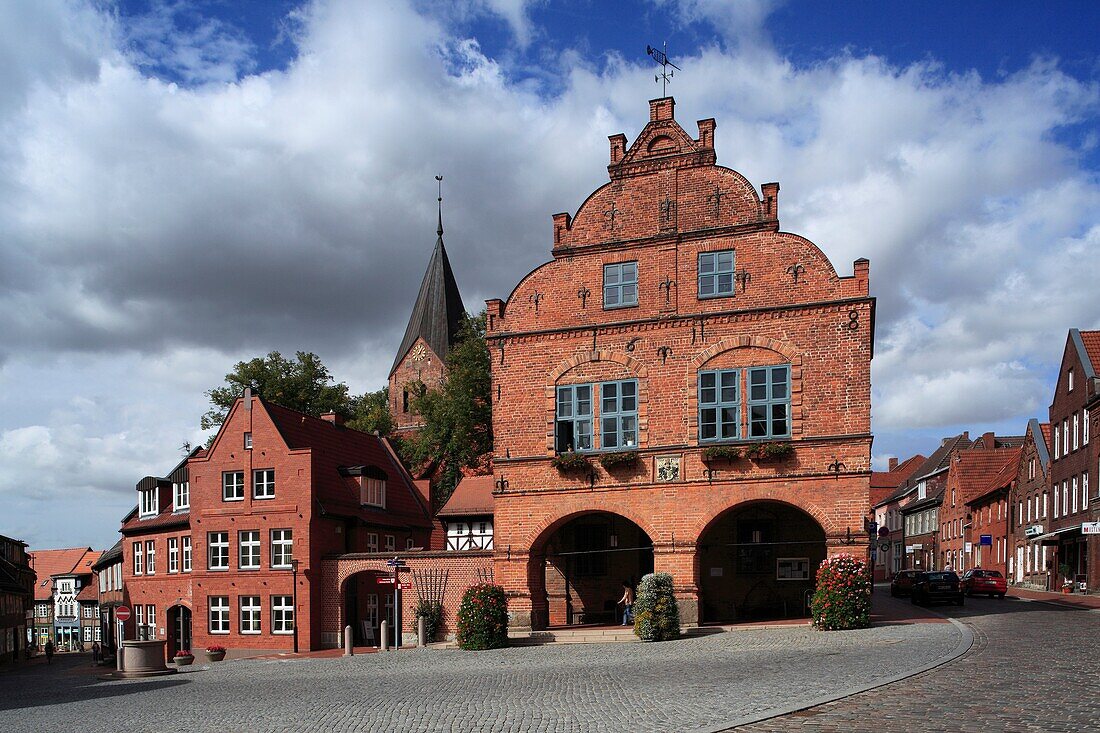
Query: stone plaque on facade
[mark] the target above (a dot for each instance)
(668, 468)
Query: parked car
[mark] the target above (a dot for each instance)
(902, 584)
(984, 581)
(937, 586)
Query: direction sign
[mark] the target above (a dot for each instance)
(884, 546)
(122, 613)
(396, 563)
(406, 586)
(985, 539)
(386, 581)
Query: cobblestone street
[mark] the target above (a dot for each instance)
(1033, 667)
(691, 685)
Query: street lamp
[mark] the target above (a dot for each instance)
(294, 600)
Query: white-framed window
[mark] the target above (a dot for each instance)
(409, 544)
(1031, 468)
(148, 498)
(391, 545)
(1057, 441)
(217, 551)
(87, 633)
(219, 614)
(373, 491)
(173, 554)
(1073, 492)
(1056, 504)
(1069, 380)
(181, 495)
(139, 556)
(792, 568)
(139, 620)
(1065, 498)
(233, 486)
(620, 285)
(1076, 431)
(97, 634)
(282, 548)
(187, 553)
(151, 621)
(1085, 426)
(263, 483)
(250, 614)
(248, 549)
(372, 542)
(150, 557)
(469, 536)
(248, 441)
(282, 615)
(1029, 509)
(1046, 503)
(1065, 436)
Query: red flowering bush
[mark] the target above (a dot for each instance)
(842, 599)
(215, 649)
(483, 618)
(183, 653)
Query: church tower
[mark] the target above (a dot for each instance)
(433, 328)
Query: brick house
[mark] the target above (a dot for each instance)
(277, 492)
(676, 317)
(432, 329)
(157, 560)
(1030, 510)
(888, 495)
(112, 594)
(987, 532)
(17, 581)
(61, 576)
(87, 601)
(913, 534)
(1073, 453)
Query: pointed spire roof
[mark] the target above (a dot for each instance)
(438, 310)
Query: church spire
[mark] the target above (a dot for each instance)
(438, 310)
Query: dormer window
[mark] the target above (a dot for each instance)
(181, 495)
(372, 487)
(148, 503)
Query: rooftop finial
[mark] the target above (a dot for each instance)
(439, 185)
(661, 57)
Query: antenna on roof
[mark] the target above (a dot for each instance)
(439, 198)
(661, 58)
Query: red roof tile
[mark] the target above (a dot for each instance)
(48, 563)
(1091, 340)
(976, 469)
(473, 495)
(167, 518)
(90, 592)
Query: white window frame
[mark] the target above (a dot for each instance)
(151, 621)
(173, 555)
(1076, 431)
(1065, 436)
(251, 610)
(149, 500)
(1085, 426)
(391, 543)
(248, 441)
(282, 548)
(1073, 491)
(186, 566)
(248, 549)
(282, 614)
(139, 620)
(263, 483)
(181, 496)
(218, 614)
(1084, 490)
(373, 491)
(139, 558)
(232, 489)
(372, 542)
(217, 541)
(1057, 441)
(150, 557)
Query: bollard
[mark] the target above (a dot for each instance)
(421, 632)
(348, 641)
(384, 644)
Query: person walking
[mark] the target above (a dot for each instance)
(628, 603)
(96, 654)
(49, 651)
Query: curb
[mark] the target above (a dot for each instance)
(965, 642)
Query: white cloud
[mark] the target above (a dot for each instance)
(151, 234)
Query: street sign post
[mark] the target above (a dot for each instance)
(122, 613)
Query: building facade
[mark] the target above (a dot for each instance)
(683, 388)
(1029, 563)
(61, 575)
(112, 594)
(17, 580)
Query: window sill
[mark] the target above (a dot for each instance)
(250, 569)
(620, 307)
(218, 570)
(282, 633)
(715, 297)
(219, 633)
(262, 498)
(238, 498)
(251, 633)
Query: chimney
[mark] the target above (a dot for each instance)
(618, 147)
(771, 199)
(989, 442)
(661, 109)
(248, 398)
(893, 463)
(332, 417)
(706, 133)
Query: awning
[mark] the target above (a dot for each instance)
(1055, 533)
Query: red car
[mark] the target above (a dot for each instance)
(984, 581)
(902, 584)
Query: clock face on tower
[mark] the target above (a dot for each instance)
(419, 353)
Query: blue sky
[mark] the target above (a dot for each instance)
(190, 183)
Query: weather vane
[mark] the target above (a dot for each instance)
(661, 58)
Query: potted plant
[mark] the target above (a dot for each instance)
(619, 459)
(215, 653)
(764, 452)
(717, 453)
(184, 657)
(570, 461)
(1067, 577)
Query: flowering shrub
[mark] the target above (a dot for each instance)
(620, 458)
(842, 599)
(216, 649)
(570, 461)
(656, 615)
(769, 451)
(432, 613)
(721, 453)
(184, 653)
(483, 618)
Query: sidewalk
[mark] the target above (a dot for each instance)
(1072, 600)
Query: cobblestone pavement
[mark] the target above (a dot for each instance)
(691, 684)
(1033, 667)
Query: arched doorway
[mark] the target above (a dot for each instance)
(758, 561)
(368, 602)
(179, 630)
(584, 562)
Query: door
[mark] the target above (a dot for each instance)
(181, 628)
(1019, 564)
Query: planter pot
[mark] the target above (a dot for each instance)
(184, 661)
(1067, 589)
(215, 656)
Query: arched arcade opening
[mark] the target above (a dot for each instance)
(366, 603)
(758, 561)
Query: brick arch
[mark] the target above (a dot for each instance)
(589, 357)
(761, 495)
(748, 341)
(535, 539)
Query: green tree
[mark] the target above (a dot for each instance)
(457, 416)
(302, 384)
(370, 411)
